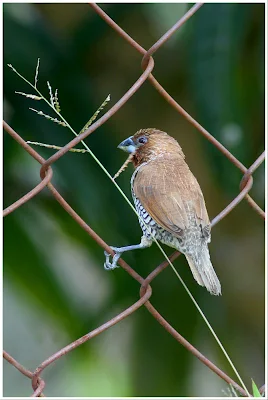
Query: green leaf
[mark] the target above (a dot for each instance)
(255, 389)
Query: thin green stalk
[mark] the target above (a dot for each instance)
(52, 146)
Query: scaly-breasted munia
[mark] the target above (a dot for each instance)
(169, 202)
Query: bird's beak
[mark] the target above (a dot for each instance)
(127, 145)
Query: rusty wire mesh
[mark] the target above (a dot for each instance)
(46, 174)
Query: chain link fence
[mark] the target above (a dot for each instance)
(46, 173)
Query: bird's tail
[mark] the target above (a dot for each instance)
(203, 270)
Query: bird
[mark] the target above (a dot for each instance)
(169, 202)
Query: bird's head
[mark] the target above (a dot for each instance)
(149, 144)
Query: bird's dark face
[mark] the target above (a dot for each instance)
(147, 144)
(133, 143)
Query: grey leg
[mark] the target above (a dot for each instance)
(119, 250)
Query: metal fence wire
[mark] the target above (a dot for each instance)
(46, 174)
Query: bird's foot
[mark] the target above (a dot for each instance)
(112, 265)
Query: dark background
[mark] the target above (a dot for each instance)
(55, 287)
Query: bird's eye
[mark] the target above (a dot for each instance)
(142, 140)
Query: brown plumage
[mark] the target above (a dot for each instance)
(169, 202)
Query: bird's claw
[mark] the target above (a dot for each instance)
(111, 265)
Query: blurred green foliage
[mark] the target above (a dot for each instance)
(55, 287)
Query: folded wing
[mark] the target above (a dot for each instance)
(170, 193)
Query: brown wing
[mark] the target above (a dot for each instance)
(169, 191)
